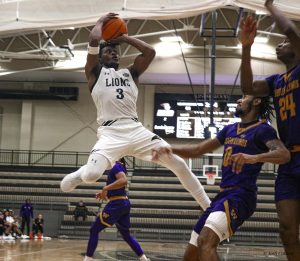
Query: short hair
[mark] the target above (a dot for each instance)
(266, 108)
(106, 44)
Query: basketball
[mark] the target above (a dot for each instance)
(113, 28)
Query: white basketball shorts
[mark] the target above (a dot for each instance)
(126, 137)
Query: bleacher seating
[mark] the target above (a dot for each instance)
(161, 208)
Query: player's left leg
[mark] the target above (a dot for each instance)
(134, 245)
(190, 182)
(145, 141)
(123, 225)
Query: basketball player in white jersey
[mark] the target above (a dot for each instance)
(115, 92)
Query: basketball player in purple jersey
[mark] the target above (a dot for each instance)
(285, 90)
(117, 211)
(115, 93)
(247, 145)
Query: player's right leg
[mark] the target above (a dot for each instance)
(95, 229)
(89, 173)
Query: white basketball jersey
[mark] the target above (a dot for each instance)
(115, 95)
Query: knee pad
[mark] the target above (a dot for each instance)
(95, 167)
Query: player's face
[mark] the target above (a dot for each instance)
(284, 51)
(244, 105)
(110, 57)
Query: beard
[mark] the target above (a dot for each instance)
(238, 112)
(112, 65)
(242, 112)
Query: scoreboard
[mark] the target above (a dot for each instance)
(187, 116)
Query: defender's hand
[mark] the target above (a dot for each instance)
(238, 160)
(161, 151)
(248, 31)
(102, 195)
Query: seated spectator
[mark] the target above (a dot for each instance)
(11, 224)
(38, 225)
(80, 211)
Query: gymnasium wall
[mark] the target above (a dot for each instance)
(71, 125)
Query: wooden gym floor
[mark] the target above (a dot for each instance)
(67, 250)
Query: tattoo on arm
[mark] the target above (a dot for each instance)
(273, 145)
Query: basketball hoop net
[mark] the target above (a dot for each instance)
(210, 172)
(210, 178)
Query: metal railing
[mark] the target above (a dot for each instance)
(38, 158)
(43, 158)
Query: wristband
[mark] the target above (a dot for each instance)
(93, 50)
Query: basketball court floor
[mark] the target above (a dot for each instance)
(67, 250)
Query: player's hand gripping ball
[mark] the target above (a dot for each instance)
(114, 28)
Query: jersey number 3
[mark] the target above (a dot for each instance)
(287, 104)
(120, 94)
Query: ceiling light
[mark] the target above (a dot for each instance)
(261, 39)
(170, 49)
(76, 62)
(260, 50)
(171, 39)
(259, 12)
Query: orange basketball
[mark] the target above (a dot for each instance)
(113, 28)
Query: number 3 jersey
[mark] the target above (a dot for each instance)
(249, 138)
(115, 95)
(285, 90)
